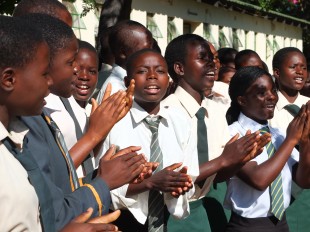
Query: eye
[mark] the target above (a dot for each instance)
(92, 72)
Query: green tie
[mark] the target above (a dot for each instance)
(156, 199)
(292, 109)
(276, 191)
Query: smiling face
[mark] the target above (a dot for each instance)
(197, 72)
(31, 85)
(292, 73)
(62, 70)
(87, 76)
(150, 72)
(259, 100)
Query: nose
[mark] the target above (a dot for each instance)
(152, 75)
(299, 70)
(83, 75)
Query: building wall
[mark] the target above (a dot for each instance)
(262, 35)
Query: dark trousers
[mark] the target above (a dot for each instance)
(262, 224)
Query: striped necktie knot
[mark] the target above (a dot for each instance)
(292, 109)
(264, 130)
(153, 124)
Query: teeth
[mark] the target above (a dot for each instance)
(152, 87)
(83, 87)
(210, 73)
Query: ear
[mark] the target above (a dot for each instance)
(178, 68)
(276, 73)
(241, 101)
(8, 79)
(126, 81)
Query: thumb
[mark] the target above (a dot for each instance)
(233, 139)
(109, 153)
(108, 218)
(174, 166)
(107, 92)
(84, 216)
(94, 105)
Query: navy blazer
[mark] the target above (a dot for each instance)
(67, 204)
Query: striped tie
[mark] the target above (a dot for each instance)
(292, 109)
(276, 191)
(74, 180)
(156, 199)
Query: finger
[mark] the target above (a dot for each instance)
(173, 166)
(107, 92)
(101, 227)
(233, 139)
(94, 105)
(108, 218)
(109, 153)
(184, 170)
(84, 216)
(127, 150)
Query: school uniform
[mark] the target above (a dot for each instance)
(103, 75)
(298, 212)
(282, 117)
(19, 202)
(176, 146)
(116, 79)
(67, 204)
(251, 207)
(218, 136)
(57, 111)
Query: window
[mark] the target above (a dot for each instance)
(172, 30)
(76, 17)
(152, 26)
(236, 41)
(208, 35)
(223, 41)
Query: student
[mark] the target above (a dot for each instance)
(260, 192)
(125, 38)
(149, 70)
(248, 57)
(191, 66)
(219, 90)
(87, 75)
(24, 84)
(49, 148)
(50, 7)
(227, 57)
(225, 74)
(290, 72)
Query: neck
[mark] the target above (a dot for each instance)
(81, 103)
(290, 94)
(198, 96)
(4, 116)
(150, 107)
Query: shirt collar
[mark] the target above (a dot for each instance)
(17, 131)
(188, 102)
(118, 71)
(282, 102)
(139, 114)
(53, 103)
(249, 124)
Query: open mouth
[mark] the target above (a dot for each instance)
(152, 89)
(299, 80)
(82, 89)
(270, 106)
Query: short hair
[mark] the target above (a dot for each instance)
(19, 42)
(87, 46)
(49, 7)
(227, 55)
(134, 56)
(176, 51)
(240, 82)
(121, 35)
(281, 55)
(244, 55)
(57, 34)
(223, 70)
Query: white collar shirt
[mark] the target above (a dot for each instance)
(175, 144)
(245, 200)
(282, 117)
(19, 202)
(217, 128)
(57, 111)
(116, 79)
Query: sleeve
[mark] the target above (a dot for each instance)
(67, 204)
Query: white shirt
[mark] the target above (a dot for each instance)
(19, 201)
(176, 146)
(282, 117)
(57, 111)
(116, 79)
(217, 128)
(245, 200)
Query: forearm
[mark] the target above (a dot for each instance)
(226, 173)
(209, 168)
(261, 176)
(134, 189)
